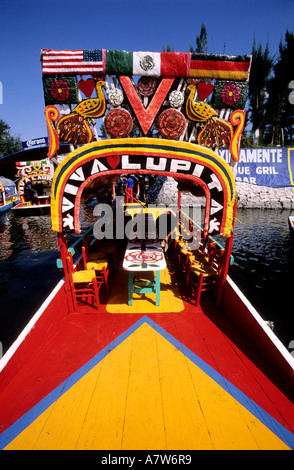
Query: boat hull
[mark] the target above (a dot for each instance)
(8, 206)
(38, 209)
(156, 380)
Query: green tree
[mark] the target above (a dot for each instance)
(168, 48)
(261, 68)
(201, 41)
(279, 111)
(8, 143)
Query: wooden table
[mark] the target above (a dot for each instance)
(141, 258)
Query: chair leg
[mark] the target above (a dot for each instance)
(96, 291)
(188, 279)
(198, 292)
(130, 287)
(73, 296)
(157, 287)
(105, 273)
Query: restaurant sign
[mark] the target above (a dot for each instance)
(273, 167)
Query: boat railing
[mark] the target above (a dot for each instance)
(76, 246)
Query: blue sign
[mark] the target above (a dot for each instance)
(40, 142)
(273, 167)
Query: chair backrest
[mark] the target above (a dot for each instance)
(70, 268)
(215, 255)
(85, 255)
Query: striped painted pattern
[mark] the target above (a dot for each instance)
(80, 61)
(164, 64)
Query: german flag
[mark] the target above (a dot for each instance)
(220, 66)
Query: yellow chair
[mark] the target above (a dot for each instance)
(202, 275)
(100, 266)
(103, 250)
(84, 286)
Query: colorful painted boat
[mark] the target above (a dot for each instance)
(291, 224)
(196, 368)
(8, 194)
(34, 188)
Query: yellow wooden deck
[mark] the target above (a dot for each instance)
(170, 298)
(145, 394)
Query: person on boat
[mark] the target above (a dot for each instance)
(129, 189)
(118, 201)
(141, 188)
(30, 194)
(119, 186)
(118, 213)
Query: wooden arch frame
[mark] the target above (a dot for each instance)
(180, 160)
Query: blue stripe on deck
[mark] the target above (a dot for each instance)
(22, 423)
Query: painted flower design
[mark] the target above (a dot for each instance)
(176, 99)
(171, 123)
(118, 122)
(146, 257)
(146, 86)
(60, 90)
(115, 96)
(230, 94)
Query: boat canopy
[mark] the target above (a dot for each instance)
(191, 165)
(32, 172)
(8, 186)
(168, 122)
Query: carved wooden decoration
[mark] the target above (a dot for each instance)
(183, 96)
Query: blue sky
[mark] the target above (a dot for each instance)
(27, 26)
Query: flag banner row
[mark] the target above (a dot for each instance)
(164, 64)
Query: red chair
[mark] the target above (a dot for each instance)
(84, 286)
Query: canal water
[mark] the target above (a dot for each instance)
(263, 267)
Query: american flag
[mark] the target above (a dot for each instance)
(81, 61)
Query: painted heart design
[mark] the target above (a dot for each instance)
(113, 161)
(204, 90)
(87, 86)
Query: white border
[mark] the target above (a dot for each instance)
(268, 331)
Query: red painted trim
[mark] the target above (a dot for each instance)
(258, 336)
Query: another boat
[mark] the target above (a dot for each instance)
(291, 224)
(115, 359)
(34, 188)
(8, 194)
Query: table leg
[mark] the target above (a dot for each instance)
(157, 287)
(130, 287)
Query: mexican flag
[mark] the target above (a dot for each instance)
(155, 64)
